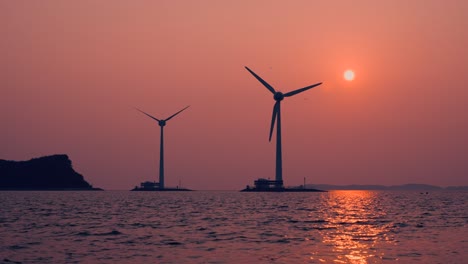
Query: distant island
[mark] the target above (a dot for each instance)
(45, 173)
(404, 187)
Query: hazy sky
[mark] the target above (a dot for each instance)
(71, 71)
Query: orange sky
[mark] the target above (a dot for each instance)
(71, 71)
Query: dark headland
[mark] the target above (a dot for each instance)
(45, 173)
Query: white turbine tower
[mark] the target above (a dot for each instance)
(162, 123)
(278, 96)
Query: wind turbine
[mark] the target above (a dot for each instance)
(162, 123)
(278, 96)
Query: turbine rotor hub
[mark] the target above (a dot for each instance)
(162, 122)
(278, 96)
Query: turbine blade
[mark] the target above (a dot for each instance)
(148, 114)
(301, 90)
(177, 113)
(273, 118)
(269, 87)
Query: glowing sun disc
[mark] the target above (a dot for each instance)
(348, 75)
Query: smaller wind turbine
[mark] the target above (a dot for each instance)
(162, 123)
(279, 96)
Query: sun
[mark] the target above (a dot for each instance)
(348, 75)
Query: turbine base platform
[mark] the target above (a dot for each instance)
(138, 189)
(149, 186)
(264, 185)
(281, 190)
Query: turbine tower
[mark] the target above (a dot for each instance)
(278, 96)
(162, 123)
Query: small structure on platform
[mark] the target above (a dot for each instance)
(266, 185)
(149, 185)
(156, 187)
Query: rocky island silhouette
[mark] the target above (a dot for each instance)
(53, 172)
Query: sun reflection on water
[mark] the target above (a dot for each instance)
(354, 227)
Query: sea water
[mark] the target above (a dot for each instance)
(234, 227)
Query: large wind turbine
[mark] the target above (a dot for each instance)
(162, 123)
(278, 96)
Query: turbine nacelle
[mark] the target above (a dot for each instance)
(161, 122)
(278, 96)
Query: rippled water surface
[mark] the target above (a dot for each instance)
(233, 227)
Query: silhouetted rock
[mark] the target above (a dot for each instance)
(44, 173)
